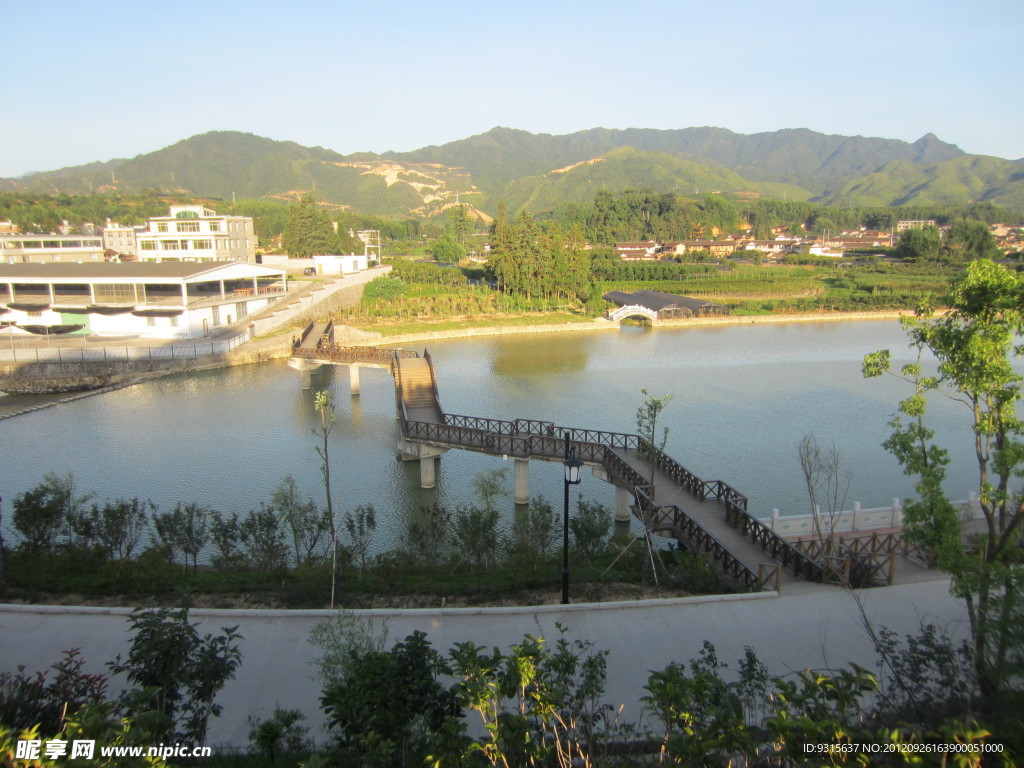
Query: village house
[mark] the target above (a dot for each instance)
(646, 249)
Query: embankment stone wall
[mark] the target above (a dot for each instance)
(49, 377)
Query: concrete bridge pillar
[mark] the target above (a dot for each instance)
(623, 500)
(428, 472)
(306, 369)
(522, 481)
(353, 379)
(426, 455)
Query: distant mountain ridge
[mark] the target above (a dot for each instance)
(541, 171)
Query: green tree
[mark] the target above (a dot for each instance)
(974, 346)
(533, 534)
(120, 524)
(390, 708)
(919, 243)
(305, 522)
(489, 485)
(168, 656)
(476, 533)
(39, 517)
(459, 225)
(447, 249)
(324, 404)
(360, 528)
(263, 536)
(309, 231)
(651, 446)
(969, 240)
(348, 241)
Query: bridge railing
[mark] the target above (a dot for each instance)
(522, 437)
(790, 556)
(297, 342)
(433, 380)
(396, 371)
(673, 519)
(519, 427)
(340, 354)
(679, 474)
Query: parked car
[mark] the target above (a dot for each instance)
(309, 271)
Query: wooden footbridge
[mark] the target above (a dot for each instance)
(707, 516)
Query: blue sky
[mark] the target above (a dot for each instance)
(86, 82)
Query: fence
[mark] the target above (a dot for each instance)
(88, 354)
(857, 519)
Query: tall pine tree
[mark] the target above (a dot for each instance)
(309, 231)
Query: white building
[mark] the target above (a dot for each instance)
(197, 233)
(120, 240)
(341, 265)
(156, 300)
(35, 249)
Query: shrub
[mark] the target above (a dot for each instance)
(263, 538)
(590, 528)
(32, 700)
(182, 669)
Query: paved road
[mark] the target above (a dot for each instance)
(819, 628)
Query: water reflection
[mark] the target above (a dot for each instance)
(522, 356)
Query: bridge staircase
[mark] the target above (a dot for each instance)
(416, 390)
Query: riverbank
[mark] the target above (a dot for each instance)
(601, 324)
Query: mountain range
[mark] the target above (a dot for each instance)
(539, 172)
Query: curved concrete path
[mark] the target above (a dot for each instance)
(820, 628)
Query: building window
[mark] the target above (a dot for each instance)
(202, 245)
(173, 321)
(162, 227)
(148, 245)
(116, 293)
(186, 215)
(188, 226)
(151, 322)
(215, 226)
(169, 245)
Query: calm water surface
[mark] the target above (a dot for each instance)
(743, 397)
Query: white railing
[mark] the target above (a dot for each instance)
(88, 354)
(631, 310)
(854, 520)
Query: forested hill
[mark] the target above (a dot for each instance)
(540, 172)
(812, 160)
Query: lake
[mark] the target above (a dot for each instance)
(743, 397)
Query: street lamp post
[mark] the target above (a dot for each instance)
(572, 477)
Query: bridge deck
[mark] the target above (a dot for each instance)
(311, 339)
(710, 515)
